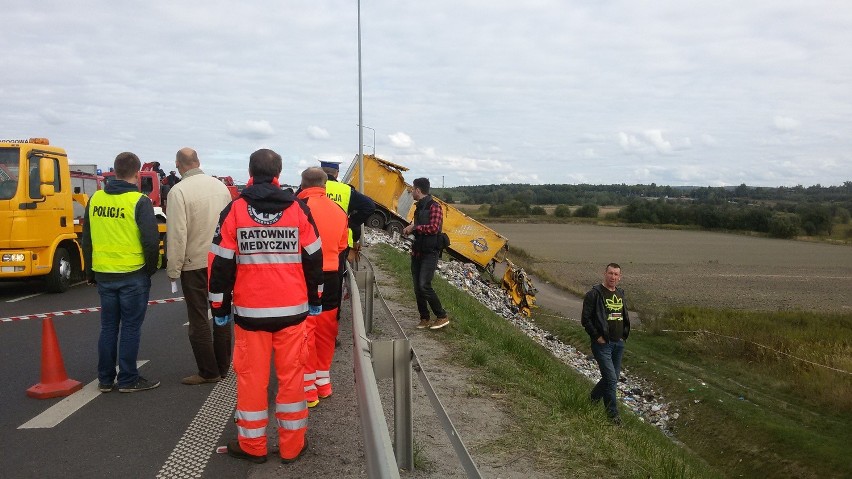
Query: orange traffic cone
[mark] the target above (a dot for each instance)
(54, 379)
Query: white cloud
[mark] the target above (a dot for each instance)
(629, 143)
(655, 138)
(497, 93)
(401, 140)
(251, 129)
(318, 133)
(783, 123)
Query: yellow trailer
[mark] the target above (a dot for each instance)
(470, 240)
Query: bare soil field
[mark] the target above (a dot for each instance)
(695, 268)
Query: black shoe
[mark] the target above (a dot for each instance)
(141, 384)
(616, 421)
(301, 453)
(105, 388)
(234, 450)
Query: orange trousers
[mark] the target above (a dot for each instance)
(252, 353)
(310, 369)
(321, 333)
(326, 334)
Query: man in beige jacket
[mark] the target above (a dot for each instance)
(193, 211)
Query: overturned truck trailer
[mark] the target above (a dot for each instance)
(470, 240)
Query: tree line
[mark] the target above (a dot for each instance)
(782, 212)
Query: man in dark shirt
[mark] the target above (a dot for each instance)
(607, 323)
(426, 228)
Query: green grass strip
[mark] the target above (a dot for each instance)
(554, 422)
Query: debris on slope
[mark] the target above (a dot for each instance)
(636, 393)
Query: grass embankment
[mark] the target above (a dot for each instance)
(555, 423)
(746, 407)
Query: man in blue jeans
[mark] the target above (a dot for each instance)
(121, 248)
(606, 321)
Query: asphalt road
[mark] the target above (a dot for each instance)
(171, 431)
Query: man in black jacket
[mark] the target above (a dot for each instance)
(606, 321)
(426, 228)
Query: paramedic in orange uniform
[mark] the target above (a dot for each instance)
(266, 257)
(332, 224)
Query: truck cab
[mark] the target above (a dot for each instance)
(39, 233)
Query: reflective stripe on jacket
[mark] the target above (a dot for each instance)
(115, 236)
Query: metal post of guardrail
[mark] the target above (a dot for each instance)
(368, 300)
(392, 359)
(403, 425)
(378, 450)
(365, 281)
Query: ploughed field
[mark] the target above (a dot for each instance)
(695, 268)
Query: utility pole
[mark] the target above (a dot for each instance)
(360, 112)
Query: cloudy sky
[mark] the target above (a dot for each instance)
(466, 92)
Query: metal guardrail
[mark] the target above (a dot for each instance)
(379, 454)
(396, 359)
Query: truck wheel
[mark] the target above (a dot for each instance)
(394, 226)
(376, 220)
(59, 278)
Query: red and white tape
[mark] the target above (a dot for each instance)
(70, 312)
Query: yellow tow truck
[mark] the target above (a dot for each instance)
(42, 203)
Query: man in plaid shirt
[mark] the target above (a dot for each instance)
(426, 228)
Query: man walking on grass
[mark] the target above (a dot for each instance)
(608, 325)
(426, 228)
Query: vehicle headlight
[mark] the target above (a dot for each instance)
(13, 257)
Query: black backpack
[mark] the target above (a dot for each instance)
(443, 241)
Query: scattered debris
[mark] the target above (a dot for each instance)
(636, 393)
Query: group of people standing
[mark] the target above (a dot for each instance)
(270, 262)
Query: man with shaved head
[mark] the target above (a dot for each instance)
(332, 224)
(193, 211)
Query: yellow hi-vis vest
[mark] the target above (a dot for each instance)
(116, 239)
(340, 193)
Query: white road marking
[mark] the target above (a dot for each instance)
(24, 297)
(68, 406)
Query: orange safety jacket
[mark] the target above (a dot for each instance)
(266, 256)
(332, 223)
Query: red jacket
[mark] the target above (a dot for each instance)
(332, 223)
(266, 252)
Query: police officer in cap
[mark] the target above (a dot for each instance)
(358, 206)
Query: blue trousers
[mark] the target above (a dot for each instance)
(608, 356)
(123, 306)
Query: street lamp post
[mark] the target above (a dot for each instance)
(360, 112)
(374, 137)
